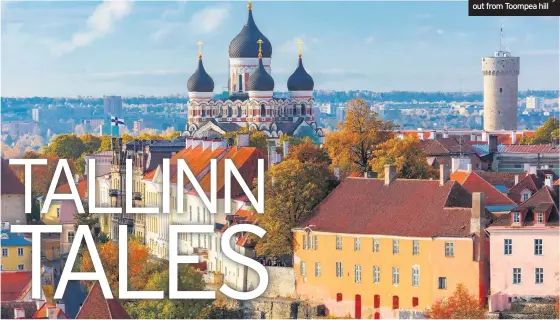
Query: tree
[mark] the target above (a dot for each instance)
(406, 155)
(91, 143)
(292, 190)
(126, 138)
(42, 176)
(257, 139)
(352, 147)
(461, 305)
(65, 146)
(105, 144)
(548, 132)
(306, 151)
(188, 280)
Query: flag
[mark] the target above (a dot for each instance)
(115, 121)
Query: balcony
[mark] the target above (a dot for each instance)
(114, 192)
(136, 196)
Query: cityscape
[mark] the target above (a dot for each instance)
(411, 168)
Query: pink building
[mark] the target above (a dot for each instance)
(524, 251)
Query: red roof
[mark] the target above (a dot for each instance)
(81, 186)
(10, 182)
(14, 285)
(528, 182)
(474, 183)
(42, 312)
(413, 208)
(532, 148)
(97, 307)
(545, 200)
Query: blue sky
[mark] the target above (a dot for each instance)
(56, 48)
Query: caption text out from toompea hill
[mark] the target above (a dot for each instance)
(514, 7)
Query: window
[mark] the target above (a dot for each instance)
(500, 89)
(190, 213)
(70, 236)
(20, 252)
(197, 214)
(4, 252)
(516, 217)
(317, 269)
(375, 274)
(395, 246)
(304, 240)
(540, 217)
(395, 276)
(449, 249)
(263, 110)
(442, 283)
(538, 247)
(338, 297)
(338, 243)
(539, 275)
(58, 212)
(415, 247)
(376, 301)
(414, 301)
(357, 273)
(20, 266)
(1, 267)
(395, 302)
(526, 196)
(302, 268)
(309, 242)
(339, 269)
(508, 246)
(357, 244)
(516, 275)
(415, 276)
(375, 245)
(316, 244)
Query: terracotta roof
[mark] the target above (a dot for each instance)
(7, 309)
(528, 182)
(367, 206)
(149, 175)
(196, 158)
(535, 148)
(81, 186)
(444, 146)
(14, 285)
(42, 312)
(557, 183)
(545, 200)
(506, 179)
(474, 183)
(10, 182)
(505, 138)
(97, 307)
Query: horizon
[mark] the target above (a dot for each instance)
(94, 49)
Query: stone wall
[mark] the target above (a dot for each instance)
(277, 308)
(281, 282)
(527, 310)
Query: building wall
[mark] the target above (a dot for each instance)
(11, 262)
(53, 214)
(13, 208)
(431, 261)
(501, 269)
(51, 248)
(65, 241)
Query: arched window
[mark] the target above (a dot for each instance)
(203, 112)
(239, 111)
(263, 110)
(303, 109)
(294, 111)
(229, 112)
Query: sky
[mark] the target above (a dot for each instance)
(92, 48)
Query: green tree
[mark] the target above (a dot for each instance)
(91, 143)
(105, 144)
(548, 132)
(188, 280)
(406, 155)
(66, 146)
(257, 139)
(292, 190)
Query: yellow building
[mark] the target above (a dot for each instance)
(53, 214)
(16, 252)
(388, 248)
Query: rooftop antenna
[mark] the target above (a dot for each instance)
(502, 50)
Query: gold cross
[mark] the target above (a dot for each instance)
(250, 5)
(300, 45)
(260, 47)
(199, 43)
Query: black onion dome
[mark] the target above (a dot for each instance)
(300, 80)
(244, 45)
(260, 80)
(200, 81)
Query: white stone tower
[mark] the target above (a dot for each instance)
(500, 74)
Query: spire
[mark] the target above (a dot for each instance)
(502, 38)
(250, 5)
(199, 43)
(260, 48)
(300, 45)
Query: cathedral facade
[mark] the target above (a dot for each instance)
(251, 102)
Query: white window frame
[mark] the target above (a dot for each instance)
(516, 217)
(375, 245)
(538, 247)
(395, 246)
(338, 243)
(539, 275)
(304, 240)
(22, 267)
(376, 274)
(395, 276)
(302, 269)
(442, 283)
(316, 242)
(516, 276)
(415, 275)
(508, 247)
(317, 269)
(525, 195)
(339, 269)
(20, 252)
(6, 251)
(540, 217)
(357, 273)
(449, 249)
(415, 247)
(356, 244)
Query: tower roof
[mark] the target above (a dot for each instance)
(300, 80)
(260, 80)
(200, 81)
(244, 45)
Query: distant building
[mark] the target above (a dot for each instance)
(20, 128)
(534, 103)
(340, 113)
(317, 114)
(94, 123)
(112, 105)
(137, 127)
(35, 114)
(326, 108)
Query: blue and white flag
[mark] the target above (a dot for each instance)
(115, 121)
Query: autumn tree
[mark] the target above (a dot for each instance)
(352, 147)
(65, 146)
(257, 139)
(105, 144)
(406, 155)
(306, 151)
(292, 189)
(461, 305)
(548, 132)
(42, 175)
(188, 280)
(91, 143)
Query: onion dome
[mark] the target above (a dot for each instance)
(260, 80)
(244, 45)
(200, 81)
(300, 80)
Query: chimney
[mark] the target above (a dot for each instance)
(478, 224)
(484, 136)
(390, 174)
(473, 136)
(532, 169)
(516, 179)
(195, 143)
(469, 167)
(242, 140)
(206, 144)
(60, 305)
(432, 134)
(76, 178)
(443, 174)
(446, 133)
(19, 313)
(513, 137)
(421, 134)
(526, 167)
(271, 153)
(217, 144)
(51, 312)
(493, 143)
(548, 180)
(337, 173)
(285, 148)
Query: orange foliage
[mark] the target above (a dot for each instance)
(308, 152)
(109, 254)
(42, 175)
(461, 305)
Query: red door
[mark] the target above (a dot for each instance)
(358, 311)
(377, 316)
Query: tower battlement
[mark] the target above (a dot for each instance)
(492, 66)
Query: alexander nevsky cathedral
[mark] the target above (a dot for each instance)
(251, 102)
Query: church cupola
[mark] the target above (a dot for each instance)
(200, 84)
(300, 83)
(260, 80)
(244, 45)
